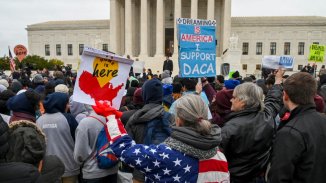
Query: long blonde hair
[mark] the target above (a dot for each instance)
(193, 111)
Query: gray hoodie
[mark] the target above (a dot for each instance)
(86, 136)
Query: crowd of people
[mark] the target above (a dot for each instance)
(168, 129)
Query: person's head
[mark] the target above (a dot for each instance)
(177, 88)
(323, 66)
(56, 102)
(219, 79)
(26, 143)
(247, 95)
(236, 75)
(61, 88)
(152, 91)
(191, 111)
(26, 102)
(188, 84)
(231, 84)
(211, 79)
(134, 83)
(38, 79)
(299, 89)
(270, 81)
(149, 71)
(247, 80)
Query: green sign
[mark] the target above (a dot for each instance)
(317, 53)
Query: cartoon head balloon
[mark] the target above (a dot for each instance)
(20, 52)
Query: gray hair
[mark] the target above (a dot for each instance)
(193, 111)
(251, 94)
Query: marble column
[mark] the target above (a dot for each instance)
(160, 29)
(177, 14)
(144, 31)
(194, 9)
(210, 9)
(128, 27)
(226, 24)
(114, 28)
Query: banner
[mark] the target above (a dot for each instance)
(197, 47)
(276, 62)
(317, 53)
(20, 52)
(101, 76)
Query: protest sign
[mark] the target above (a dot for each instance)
(138, 66)
(276, 62)
(317, 53)
(101, 76)
(197, 47)
(20, 52)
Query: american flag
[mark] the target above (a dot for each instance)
(160, 163)
(12, 62)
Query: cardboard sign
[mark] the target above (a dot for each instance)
(102, 76)
(197, 47)
(317, 53)
(276, 62)
(138, 66)
(20, 52)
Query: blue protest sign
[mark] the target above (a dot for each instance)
(197, 47)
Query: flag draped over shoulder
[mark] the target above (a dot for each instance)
(12, 62)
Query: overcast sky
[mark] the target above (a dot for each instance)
(15, 15)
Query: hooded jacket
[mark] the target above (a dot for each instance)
(84, 153)
(26, 148)
(78, 110)
(247, 137)
(59, 128)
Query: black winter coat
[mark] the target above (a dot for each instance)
(168, 65)
(299, 151)
(247, 138)
(17, 172)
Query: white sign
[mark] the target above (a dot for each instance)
(138, 66)
(101, 76)
(276, 62)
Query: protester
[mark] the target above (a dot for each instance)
(168, 65)
(247, 135)
(24, 106)
(25, 159)
(219, 82)
(189, 86)
(152, 113)
(78, 110)
(166, 77)
(59, 128)
(38, 83)
(221, 107)
(88, 131)
(208, 89)
(191, 154)
(299, 145)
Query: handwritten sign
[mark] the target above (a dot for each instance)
(20, 52)
(317, 53)
(276, 62)
(101, 76)
(197, 47)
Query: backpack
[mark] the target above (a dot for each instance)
(104, 155)
(157, 130)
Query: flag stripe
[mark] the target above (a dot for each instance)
(213, 165)
(216, 177)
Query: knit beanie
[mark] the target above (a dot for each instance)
(152, 91)
(137, 99)
(61, 88)
(38, 78)
(4, 83)
(165, 74)
(231, 83)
